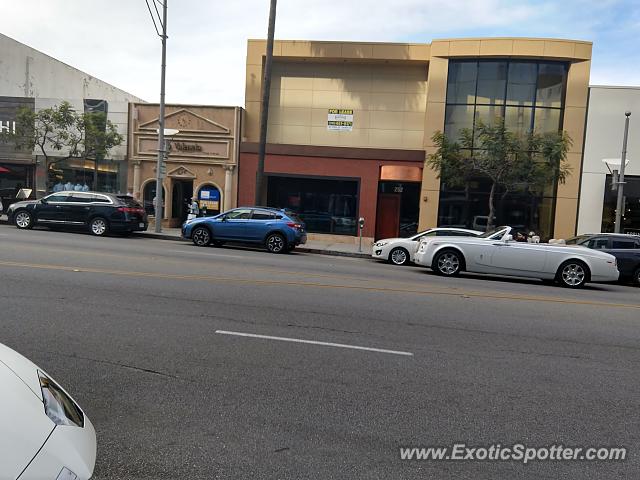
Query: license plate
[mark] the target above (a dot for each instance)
(141, 225)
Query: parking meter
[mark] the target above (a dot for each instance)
(361, 223)
(361, 226)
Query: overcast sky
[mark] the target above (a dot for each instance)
(115, 40)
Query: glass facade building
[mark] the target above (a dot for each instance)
(529, 96)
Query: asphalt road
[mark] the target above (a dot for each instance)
(129, 326)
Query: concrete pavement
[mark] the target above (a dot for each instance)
(132, 328)
(312, 246)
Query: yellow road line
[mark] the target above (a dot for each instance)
(208, 278)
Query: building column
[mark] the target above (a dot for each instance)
(136, 179)
(228, 187)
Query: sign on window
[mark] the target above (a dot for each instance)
(340, 119)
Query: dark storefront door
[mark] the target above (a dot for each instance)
(388, 215)
(182, 194)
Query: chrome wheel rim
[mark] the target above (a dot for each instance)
(201, 237)
(398, 256)
(275, 243)
(573, 274)
(23, 220)
(448, 263)
(98, 226)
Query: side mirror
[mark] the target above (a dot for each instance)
(223, 218)
(43, 201)
(508, 238)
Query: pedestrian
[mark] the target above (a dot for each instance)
(194, 210)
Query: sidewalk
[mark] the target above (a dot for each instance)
(312, 246)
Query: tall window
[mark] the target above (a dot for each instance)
(529, 96)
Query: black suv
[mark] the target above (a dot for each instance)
(626, 249)
(100, 213)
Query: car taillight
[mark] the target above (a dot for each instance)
(131, 210)
(294, 225)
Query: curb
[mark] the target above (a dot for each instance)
(162, 236)
(334, 253)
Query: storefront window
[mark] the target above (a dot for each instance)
(528, 95)
(79, 174)
(631, 216)
(12, 179)
(325, 205)
(209, 200)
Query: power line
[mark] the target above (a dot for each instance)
(153, 19)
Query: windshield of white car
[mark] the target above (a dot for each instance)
(491, 233)
(580, 239)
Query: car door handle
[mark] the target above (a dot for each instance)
(58, 206)
(500, 244)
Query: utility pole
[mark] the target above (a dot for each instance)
(162, 148)
(264, 112)
(623, 160)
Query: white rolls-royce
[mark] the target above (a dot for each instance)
(400, 251)
(496, 252)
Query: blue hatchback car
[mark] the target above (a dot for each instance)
(278, 230)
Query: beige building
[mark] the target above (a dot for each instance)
(202, 161)
(365, 113)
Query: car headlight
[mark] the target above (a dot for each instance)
(58, 406)
(381, 244)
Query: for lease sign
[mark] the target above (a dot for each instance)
(340, 119)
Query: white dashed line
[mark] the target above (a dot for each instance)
(313, 342)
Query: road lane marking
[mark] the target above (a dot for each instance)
(292, 283)
(314, 342)
(205, 254)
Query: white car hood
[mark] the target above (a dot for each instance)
(24, 425)
(24, 368)
(391, 240)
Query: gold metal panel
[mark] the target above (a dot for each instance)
(400, 174)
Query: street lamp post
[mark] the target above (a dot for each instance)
(161, 143)
(623, 160)
(264, 113)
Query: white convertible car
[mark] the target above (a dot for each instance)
(496, 252)
(43, 432)
(400, 251)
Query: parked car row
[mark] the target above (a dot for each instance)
(573, 263)
(447, 251)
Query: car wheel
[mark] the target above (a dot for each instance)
(448, 263)
(573, 274)
(399, 256)
(636, 278)
(276, 243)
(201, 237)
(99, 227)
(23, 219)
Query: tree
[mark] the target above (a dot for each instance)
(59, 133)
(510, 161)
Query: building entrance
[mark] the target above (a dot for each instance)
(181, 199)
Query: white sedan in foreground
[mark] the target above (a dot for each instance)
(496, 252)
(400, 251)
(43, 432)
